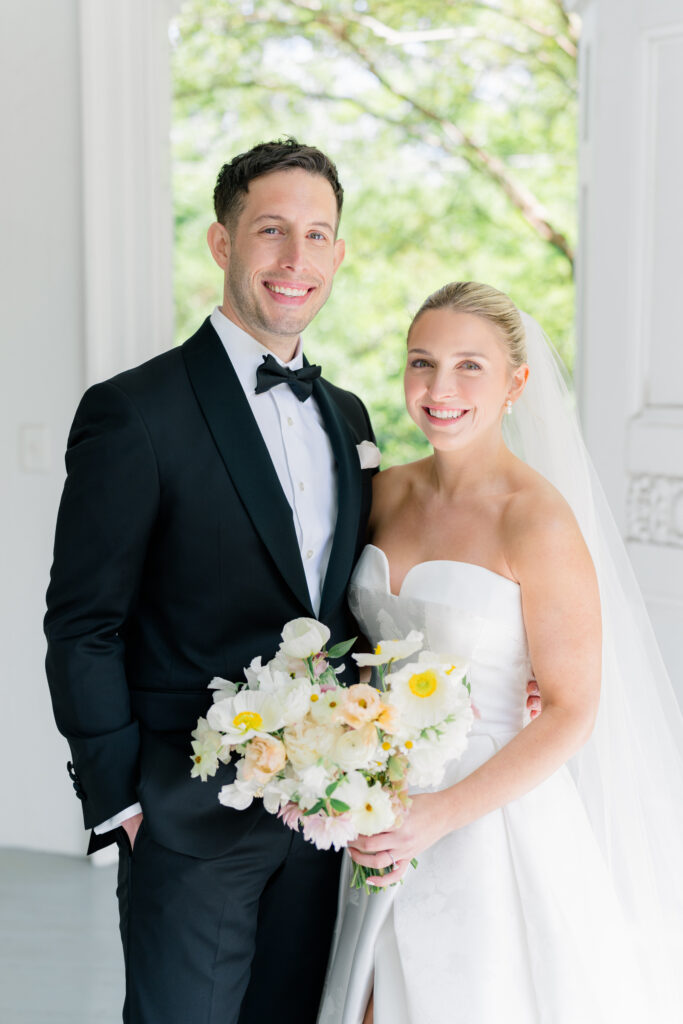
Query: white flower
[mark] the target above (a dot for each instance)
(247, 714)
(426, 765)
(222, 688)
(206, 745)
(238, 794)
(325, 704)
(370, 806)
(302, 638)
(356, 748)
(391, 650)
(313, 781)
(294, 696)
(427, 692)
(369, 455)
(307, 742)
(277, 794)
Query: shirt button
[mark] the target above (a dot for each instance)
(309, 553)
(301, 485)
(290, 421)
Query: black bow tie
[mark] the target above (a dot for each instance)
(270, 373)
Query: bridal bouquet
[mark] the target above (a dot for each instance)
(333, 760)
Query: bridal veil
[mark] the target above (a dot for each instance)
(630, 773)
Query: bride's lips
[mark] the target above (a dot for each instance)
(288, 293)
(454, 415)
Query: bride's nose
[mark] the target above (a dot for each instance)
(442, 386)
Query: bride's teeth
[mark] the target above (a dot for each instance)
(447, 414)
(287, 291)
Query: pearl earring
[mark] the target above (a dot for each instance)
(508, 407)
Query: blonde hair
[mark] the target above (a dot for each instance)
(484, 301)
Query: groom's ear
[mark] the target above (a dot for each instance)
(219, 243)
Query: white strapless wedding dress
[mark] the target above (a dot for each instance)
(512, 919)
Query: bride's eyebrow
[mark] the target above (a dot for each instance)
(454, 355)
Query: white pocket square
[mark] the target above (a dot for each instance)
(369, 454)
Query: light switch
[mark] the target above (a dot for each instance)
(34, 448)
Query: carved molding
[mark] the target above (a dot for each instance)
(655, 510)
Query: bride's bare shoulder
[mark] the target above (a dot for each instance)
(539, 525)
(392, 486)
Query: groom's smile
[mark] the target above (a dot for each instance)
(280, 256)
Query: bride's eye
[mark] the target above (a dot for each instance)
(470, 365)
(418, 363)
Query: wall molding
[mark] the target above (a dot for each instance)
(655, 510)
(127, 208)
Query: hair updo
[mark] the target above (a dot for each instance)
(484, 301)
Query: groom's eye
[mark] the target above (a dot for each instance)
(419, 363)
(469, 365)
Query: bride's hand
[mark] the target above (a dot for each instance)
(423, 825)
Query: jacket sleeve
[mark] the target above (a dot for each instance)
(106, 515)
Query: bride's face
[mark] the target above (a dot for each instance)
(458, 377)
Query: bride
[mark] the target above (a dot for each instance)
(548, 885)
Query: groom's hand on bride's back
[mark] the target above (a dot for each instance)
(533, 700)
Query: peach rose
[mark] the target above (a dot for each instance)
(361, 705)
(264, 756)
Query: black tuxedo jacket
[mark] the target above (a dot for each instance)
(176, 560)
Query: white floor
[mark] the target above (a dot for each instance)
(60, 953)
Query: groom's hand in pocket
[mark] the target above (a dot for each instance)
(131, 825)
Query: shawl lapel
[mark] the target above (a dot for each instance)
(342, 555)
(244, 453)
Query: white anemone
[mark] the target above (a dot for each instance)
(428, 692)
(247, 714)
(391, 650)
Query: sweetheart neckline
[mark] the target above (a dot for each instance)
(435, 561)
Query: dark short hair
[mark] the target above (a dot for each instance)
(287, 154)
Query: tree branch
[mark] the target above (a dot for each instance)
(492, 166)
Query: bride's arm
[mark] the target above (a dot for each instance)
(561, 609)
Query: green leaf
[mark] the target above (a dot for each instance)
(332, 786)
(339, 805)
(395, 769)
(342, 648)
(320, 806)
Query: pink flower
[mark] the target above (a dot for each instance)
(320, 664)
(326, 830)
(291, 815)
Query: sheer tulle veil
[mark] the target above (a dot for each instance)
(630, 773)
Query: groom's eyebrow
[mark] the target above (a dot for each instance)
(283, 220)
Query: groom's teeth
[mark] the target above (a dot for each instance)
(447, 414)
(286, 291)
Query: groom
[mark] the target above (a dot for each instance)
(212, 494)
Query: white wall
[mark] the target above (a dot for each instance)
(630, 276)
(41, 339)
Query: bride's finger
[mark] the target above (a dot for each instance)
(383, 859)
(391, 877)
(372, 844)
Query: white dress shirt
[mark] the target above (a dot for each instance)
(302, 456)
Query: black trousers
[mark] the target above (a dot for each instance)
(240, 939)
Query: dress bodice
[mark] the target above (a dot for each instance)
(465, 612)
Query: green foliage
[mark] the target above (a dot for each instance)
(453, 129)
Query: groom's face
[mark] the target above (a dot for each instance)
(281, 256)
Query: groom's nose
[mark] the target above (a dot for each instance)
(293, 253)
